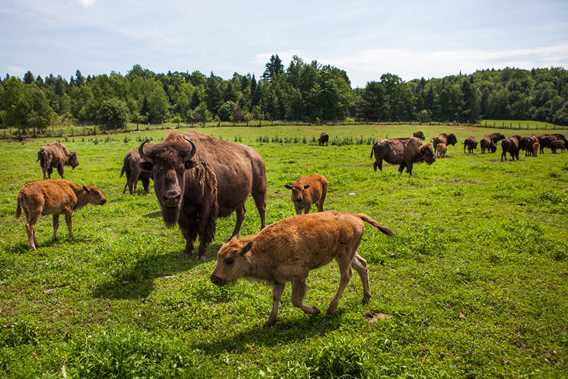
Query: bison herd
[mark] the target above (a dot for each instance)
(198, 178)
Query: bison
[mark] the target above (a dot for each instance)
(446, 139)
(511, 146)
(198, 178)
(56, 155)
(419, 134)
(557, 145)
(545, 141)
(133, 167)
(323, 139)
(526, 144)
(402, 152)
(441, 150)
(535, 148)
(496, 137)
(288, 250)
(308, 190)
(53, 197)
(487, 144)
(470, 144)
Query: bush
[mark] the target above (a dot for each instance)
(113, 114)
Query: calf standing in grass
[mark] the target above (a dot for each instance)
(308, 190)
(470, 144)
(53, 197)
(288, 250)
(56, 155)
(441, 150)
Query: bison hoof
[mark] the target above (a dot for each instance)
(270, 323)
(331, 311)
(366, 298)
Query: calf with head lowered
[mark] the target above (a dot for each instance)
(56, 155)
(288, 250)
(308, 190)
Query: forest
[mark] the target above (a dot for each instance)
(302, 91)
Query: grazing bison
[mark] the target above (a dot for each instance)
(308, 190)
(446, 139)
(323, 139)
(402, 152)
(545, 141)
(526, 144)
(133, 167)
(470, 144)
(198, 178)
(55, 155)
(53, 197)
(496, 137)
(288, 250)
(557, 145)
(511, 146)
(419, 134)
(487, 144)
(441, 150)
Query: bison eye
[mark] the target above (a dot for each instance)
(229, 261)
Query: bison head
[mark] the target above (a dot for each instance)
(168, 162)
(419, 134)
(452, 140)
(72, 160)
(94, 195)
(426, 154)
(232, 261)
(298, 194)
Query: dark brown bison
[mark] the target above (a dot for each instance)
(198, 178)
(308, 190)
(133, 167)
(496, 137)
(526, 144)
(511, 146)
(402, 152)
(55, 155)
(323, 139)
(486, 144)
(53, 197)
(470, 144)
(446, 139)
(419, 134)
(288, 250)
(545, 141)
(557, 145)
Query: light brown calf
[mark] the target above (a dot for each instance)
(441, 150)
(53, 197)
(288, 250)
(535, 148)
(308, 190)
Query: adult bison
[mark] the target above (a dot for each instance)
(419, 134)
(546, 141)
(526, 144)
(134, 170)
(470, 144)
(512, 146)
(55, 155)
(487, 145)
(198, 178)
(446, 139)
(403, 152)
(323, 139)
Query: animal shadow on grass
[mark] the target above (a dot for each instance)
(138, 282)
(283, 332)
(153, 214)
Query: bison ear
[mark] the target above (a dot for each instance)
(306, 186)
(86, 189)
(246, 248)
(189, 164)
(289, 186)
(147, 166)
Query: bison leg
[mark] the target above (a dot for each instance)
(69, 222)
(409, 168)
(33, 217)
(260, 202)
(146, 184)
(189, 231)
(322, 200)
(55, 227)
(60, 169)
(241, 210)
(298, 293)
(345, 272)
(401, 168)
(360, 265)
(276, 295)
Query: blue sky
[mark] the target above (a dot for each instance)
(366, 38)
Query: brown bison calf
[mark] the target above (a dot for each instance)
(134, 168)
(56, 155)
(308, 190)
(470, 144)
(535, 148)
(441, 150)
(53, 197)
(288, 250)
(323, 139)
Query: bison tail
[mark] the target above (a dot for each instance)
(375, 223)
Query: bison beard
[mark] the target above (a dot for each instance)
(170, 215)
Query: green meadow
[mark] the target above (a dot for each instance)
(473, 284)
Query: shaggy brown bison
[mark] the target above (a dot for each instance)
(545, 141)
(198, 178)
(288, 250)
(419, 134)
(55, 155)
(323, 139)
(402, 152)
(53, 197)
(441, 150)
(535, 148)
(496, 137)
(134, 170)
(557, 145)
(470, 144)
(487, 145)
(511, 146)
(308, 190)
(526, 144)
(446, 139)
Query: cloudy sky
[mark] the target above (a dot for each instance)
(366, 38)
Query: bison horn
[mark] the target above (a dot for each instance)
(193, 148)
(141, 151)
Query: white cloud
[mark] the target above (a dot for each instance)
(87, 3)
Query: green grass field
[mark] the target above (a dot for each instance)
(474, 283)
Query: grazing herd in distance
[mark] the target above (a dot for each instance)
(198, 178)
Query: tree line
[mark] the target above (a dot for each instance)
(309, 92)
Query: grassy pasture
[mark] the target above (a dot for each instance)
(474, 284)
(524, 124)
